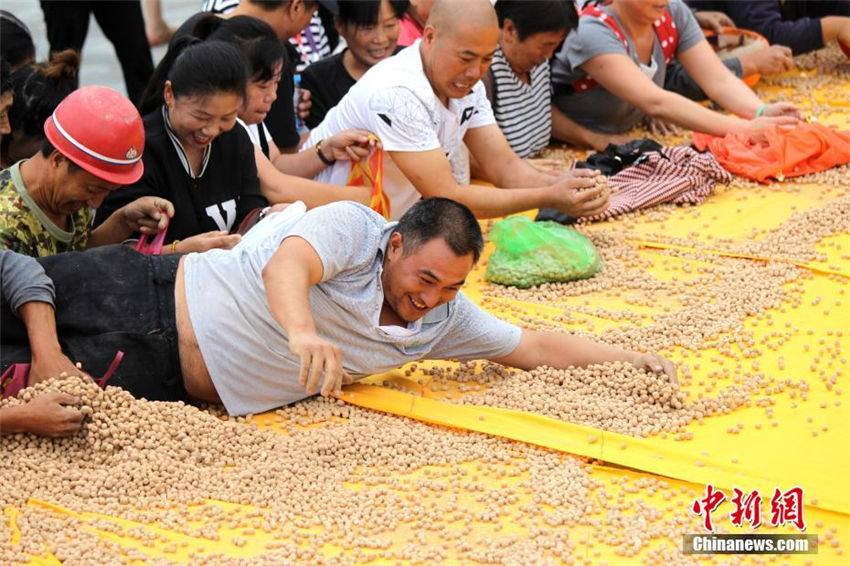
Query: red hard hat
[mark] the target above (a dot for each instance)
(100, 130)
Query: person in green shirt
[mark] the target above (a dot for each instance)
(94, 145)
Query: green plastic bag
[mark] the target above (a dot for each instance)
(530, 253)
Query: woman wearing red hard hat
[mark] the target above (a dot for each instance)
(94, 146)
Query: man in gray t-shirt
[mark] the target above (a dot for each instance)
(314, 300)
(338, 293)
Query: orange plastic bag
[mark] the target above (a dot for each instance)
(370, 173)
(808, 148)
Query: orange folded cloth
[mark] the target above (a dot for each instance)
(370, 173)
(808, 148)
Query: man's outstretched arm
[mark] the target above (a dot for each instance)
(288, 276)
(430, 173)
(561, 350)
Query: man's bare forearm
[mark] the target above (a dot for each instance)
(40, 321)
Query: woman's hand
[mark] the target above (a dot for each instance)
(771, 60)
(304, 104)
(217, 239)
(660, 127)
(757, 127)
(713, 21)
(783, 109)
(349, 145)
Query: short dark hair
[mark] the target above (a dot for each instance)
(365, 12)
(253, 36)
(444, 218)
(47, 148)
(269, 5)
(537, 17)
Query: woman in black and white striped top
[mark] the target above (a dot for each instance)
(521, 105)
(518, 83)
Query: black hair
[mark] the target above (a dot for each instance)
(400, 7)
(253, 36)
(269, 5)
(17, 46)
(5, 76)
(363, 13)
(444, 218)
(537, 17)
(47, 148)
(196, 67)
(39, 88)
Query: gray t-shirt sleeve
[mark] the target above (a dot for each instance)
(689, 31)
(592, 37)
(474, 334)
(342, 234)
(23, 280)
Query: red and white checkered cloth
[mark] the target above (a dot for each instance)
(676, 174)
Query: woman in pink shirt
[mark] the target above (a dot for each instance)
(413, 21)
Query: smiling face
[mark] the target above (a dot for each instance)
(259, 96)
(199, 119)
(646, 11)
(416, 283)
(457, 59)
(370, 44)
(75, 188)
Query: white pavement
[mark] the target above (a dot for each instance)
(99, 63)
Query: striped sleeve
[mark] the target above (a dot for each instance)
(523, 110)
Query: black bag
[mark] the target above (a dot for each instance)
(609, 162)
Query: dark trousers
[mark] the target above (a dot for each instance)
(796, 9)
(122, 24)
(109, 299)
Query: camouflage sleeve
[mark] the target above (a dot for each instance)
(82, 229)
(15, 233)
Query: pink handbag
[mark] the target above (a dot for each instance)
(15, 377)
(155, 247)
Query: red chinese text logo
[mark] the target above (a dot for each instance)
(785, 507)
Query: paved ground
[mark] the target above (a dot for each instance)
(100, 65)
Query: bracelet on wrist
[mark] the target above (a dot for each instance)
(321, 155)
(174, 246)
(761, 110)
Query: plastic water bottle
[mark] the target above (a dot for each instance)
(300, 127)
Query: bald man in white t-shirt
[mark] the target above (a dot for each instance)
(427, 100)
